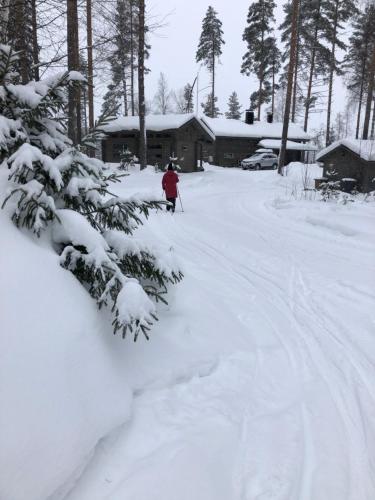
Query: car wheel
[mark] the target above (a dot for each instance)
(257, 166)
(274, 166)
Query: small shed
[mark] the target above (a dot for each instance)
(350, 159)
(180, 135)
(236, 139)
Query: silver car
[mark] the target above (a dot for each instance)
(259, 161)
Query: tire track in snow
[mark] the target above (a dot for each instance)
(337, 397)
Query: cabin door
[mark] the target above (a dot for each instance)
(187, 156)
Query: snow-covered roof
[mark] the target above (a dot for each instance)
(224, 127)
(363, 148)
(296, 146)
(156, 123)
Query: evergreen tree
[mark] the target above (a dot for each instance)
(312, 56)
(188, 98)
(356, 62)
(337, 12)
(257, 99)
(18, 30)
(234, 107)
(209, 107)
(209, 49)
(261, 54)
(54, 186)
(183, 99)
(111, 101)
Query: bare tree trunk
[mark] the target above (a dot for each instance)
(132, 57)
(90, 69)
(261, 74)
(331, 73)
(17, 36)
(4, 20)
(312, 66)
(291, 65)
(84, 110)
(372, 134)
(370, 92)
(74, 104)
(141, 87)
(213, 79)
(125, 91)
(360, 99)
(273, 89)
(35, 40)
(295, 78)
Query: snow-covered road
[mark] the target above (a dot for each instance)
(258, 382)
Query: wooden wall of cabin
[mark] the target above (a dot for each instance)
(342, 163)
(192, 146)
(229, 151)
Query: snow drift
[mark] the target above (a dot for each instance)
(59, 391)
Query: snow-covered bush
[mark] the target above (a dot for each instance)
(56, 188)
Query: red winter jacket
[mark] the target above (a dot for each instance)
(169, 183)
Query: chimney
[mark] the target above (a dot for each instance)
(249, 117)
(269, 117)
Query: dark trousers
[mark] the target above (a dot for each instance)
(173, 201)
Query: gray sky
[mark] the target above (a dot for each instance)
(174, 47)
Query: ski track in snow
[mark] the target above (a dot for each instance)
(291, 416)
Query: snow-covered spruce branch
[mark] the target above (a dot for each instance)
(104, 266)
(33, 208)
(53, 185)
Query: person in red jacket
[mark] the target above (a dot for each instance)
(169, 184)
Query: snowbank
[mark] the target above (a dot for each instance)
(59, 390)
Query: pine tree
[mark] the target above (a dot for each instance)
(54, 186)
(317, 53)
(337, 12)
(312, 57)
(188, 98)
(261, 54)
(74, 103)
(111, 102)
(209, 107)
(18, 30)
(234, 107)
(90, 65)
(257, 99)
(141, 84)
(356, 61)
(209, 48)
(288, 96)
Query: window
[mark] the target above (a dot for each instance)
(229, 156)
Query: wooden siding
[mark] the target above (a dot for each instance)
(189, 144)
(229, 151)
(343, 163)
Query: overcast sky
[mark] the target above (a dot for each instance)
(175, 44)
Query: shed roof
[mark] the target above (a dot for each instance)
(225, 127)
(291, 145)
(156, 123)
(365, 149)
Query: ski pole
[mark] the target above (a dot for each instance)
(179, 197)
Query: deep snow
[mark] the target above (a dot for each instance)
(257, 382)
